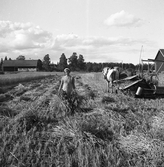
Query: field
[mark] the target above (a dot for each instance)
(97, 129)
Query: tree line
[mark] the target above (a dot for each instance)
(77, 63)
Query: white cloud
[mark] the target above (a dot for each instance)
(66, 41)
(123, 19)
(22, 36)
(34, 42)
(74, 41)
(99, 49)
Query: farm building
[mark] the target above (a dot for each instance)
(21, 65)
(159, 61)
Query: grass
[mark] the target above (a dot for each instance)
(14, 78)
(38, 129)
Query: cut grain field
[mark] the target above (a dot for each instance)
(37, 128)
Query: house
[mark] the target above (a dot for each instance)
(159, 61)
(21, 65)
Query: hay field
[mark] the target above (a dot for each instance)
(14, 78)
(97, 129)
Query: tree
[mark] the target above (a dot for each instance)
(53, 67)
(20, 57)
(1, 63)
(46, 62)
(89, 67)
(39, 65)
(5, 57)
(80, 62)
(73, 61)
(62, 62)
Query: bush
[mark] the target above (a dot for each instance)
(2, 72)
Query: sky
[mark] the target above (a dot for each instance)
(123, 31)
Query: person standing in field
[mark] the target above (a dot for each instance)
(67, 85)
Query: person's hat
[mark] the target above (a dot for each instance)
(66, 69)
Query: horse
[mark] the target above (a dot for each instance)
(111, 75)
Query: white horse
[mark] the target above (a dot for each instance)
(110, 75)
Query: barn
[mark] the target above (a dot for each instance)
(159, 61)
(21, 65)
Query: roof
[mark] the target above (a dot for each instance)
(160, 51)
(20, 63)
(153, 60)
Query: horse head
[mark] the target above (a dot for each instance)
(105, 72)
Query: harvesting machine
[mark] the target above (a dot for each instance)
(143, 85)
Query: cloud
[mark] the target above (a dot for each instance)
(93, 42)
(22, 36)
(100, 49)
(123, 19)
(34, 42)
(66, 41)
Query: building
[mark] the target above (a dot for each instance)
(159, 61)
(21, 65)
